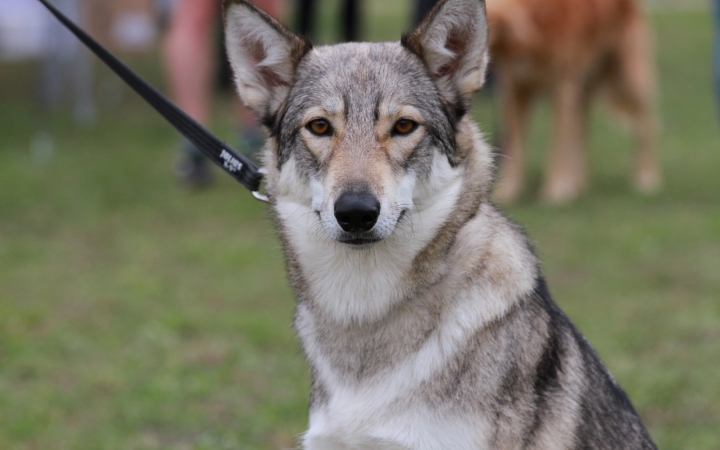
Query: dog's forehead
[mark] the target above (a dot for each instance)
(362, 74)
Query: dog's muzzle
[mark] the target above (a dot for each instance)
(357, 213)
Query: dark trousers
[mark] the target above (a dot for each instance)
(422, 8)
(349, 23)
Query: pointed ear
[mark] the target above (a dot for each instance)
(264, 55)
(452, 41)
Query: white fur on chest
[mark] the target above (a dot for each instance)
(386, 413)
(368, 423)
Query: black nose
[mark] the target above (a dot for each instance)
(357, 211)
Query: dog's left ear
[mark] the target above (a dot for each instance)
(264, 55)
(452, 41)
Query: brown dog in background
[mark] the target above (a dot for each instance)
(571, 50)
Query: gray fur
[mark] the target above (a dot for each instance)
(489, 360)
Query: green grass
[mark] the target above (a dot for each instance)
(137, 315)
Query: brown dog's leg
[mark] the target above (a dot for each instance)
(634, 89)
(567, 165)
(516, 105)
(647, 171)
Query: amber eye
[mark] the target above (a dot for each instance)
(320, 127)
(404, 126)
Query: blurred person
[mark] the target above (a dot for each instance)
(191, 58)
(66, 62)
(350, 19)
(65, 68)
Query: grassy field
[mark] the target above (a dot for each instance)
(137, 315)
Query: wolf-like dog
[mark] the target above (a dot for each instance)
(420, 307)
(573, 51)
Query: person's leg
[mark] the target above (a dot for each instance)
(304, 18)
(188, 55)
(351, 20)
(189, 63)
(422, 8)
(271, 7)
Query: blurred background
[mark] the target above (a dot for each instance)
(138, 312)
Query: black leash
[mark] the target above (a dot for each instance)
(235, 164)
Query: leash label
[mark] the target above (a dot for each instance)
(230, 162)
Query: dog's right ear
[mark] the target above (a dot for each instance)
(264, 55)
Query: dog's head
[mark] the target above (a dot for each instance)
(360, 133)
